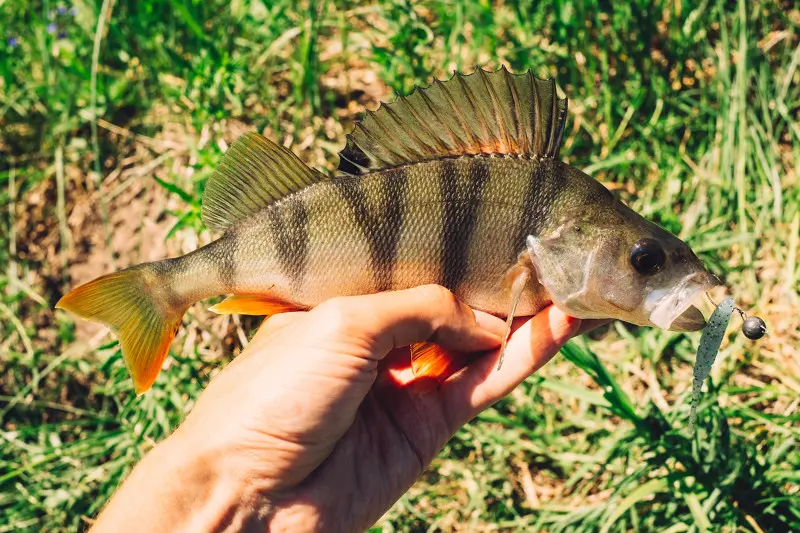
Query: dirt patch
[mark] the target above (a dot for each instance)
(121, 222)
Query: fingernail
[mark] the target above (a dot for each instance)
(592, 324)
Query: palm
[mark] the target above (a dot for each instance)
(396, 433)
(363, 442)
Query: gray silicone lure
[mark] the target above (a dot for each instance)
(710, 342)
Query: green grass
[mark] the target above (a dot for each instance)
(688, 110)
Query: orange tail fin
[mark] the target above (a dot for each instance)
(134, 304)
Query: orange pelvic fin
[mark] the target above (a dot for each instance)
(431, 362)
(251, 304)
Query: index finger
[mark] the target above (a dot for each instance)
(529, 348)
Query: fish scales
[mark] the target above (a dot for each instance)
(457, 184)
(461, 184)
(289, 229)
(444, 222)
(377, 212)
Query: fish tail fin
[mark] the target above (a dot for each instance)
(137, 305)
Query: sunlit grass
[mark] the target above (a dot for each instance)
(687, 110)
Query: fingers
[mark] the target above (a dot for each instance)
(381, 322)
(530, 347)
(592, 324)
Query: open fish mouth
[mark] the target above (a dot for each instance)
(672, 308)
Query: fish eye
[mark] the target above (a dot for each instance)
(647, 257)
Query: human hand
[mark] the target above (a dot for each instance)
(317, 425)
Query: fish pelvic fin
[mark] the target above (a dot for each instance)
(481, 113)
(432, 363)
(252, 174)
(135, 305)
(251, 304)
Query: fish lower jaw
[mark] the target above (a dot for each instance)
(672, 309)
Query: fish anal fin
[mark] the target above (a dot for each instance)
(480, 113)
(253, 174)
(252, 304)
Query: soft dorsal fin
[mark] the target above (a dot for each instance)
(253, 173)
(481, 113)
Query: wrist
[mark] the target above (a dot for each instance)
(218, 494)
(183, 486)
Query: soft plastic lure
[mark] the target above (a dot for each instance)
(710, 342)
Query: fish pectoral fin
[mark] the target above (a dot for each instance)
(518, 278)
(251, 304)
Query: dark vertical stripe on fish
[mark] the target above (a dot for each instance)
(527, 224)
(388, 224)
(225, 260)
(290, 226)
(540, 193)
(381, 224)
(461, 201)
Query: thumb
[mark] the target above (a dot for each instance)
(429, 313)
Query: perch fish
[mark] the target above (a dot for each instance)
(458, 184)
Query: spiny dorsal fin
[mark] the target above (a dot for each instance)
(481, 113)
(253, 173)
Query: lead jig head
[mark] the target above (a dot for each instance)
(753, 327)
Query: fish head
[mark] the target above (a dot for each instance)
(609, 262)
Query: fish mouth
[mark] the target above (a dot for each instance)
(672, 308)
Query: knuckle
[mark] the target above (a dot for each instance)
(448, 309)
(275, 322)
(337, 313)
(439, 294)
